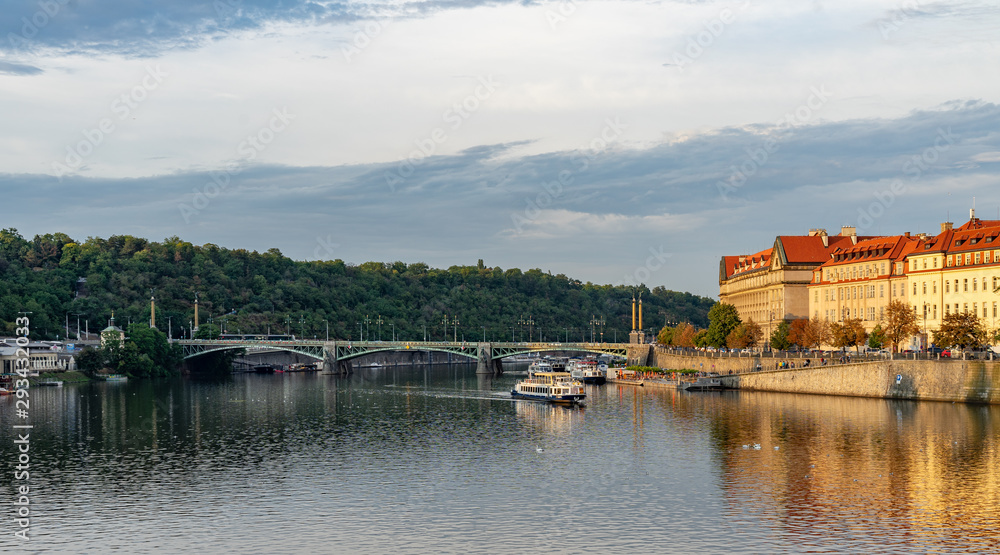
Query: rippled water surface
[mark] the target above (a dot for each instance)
(419, 460)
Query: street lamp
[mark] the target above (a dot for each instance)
(302, 323)
(367, 321)
(454, 322)
(484, 334)
(444, 322)
(593, 322)
(393, 324)
(379, 322)
(327, 322)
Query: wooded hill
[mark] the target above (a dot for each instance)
(53, 276)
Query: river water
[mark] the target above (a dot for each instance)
(436, 459)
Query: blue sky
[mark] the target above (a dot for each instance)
(610, 141)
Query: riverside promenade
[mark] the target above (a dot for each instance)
(966, 381)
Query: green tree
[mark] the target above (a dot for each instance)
(207, 331)
(723, 318)
(665, 336)
(779, 337)
(960, 329)
(739, 338)
(877, 337)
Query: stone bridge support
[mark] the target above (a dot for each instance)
(330, 363)
(486, 364)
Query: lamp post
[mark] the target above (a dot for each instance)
(288, 324)
(393, 324)
(454, 322)
(77, 327)
(566, 331)
(170, 329)
(361, 331)
(379, 322)
(601, 323)
(444, 322)
(593, 322)
(484, 334)
(368, 330)
(327, 322)
(302, 323)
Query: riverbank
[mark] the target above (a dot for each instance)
(965, 381)
(65, 377)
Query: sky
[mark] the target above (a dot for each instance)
(615, 142)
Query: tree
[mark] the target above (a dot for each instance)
(207, 331)
(738, 338)
(798, 332)
(683, 335)
(723, 318)
(754, 333)
(90, 361)
(851, 333)
(877, 337)
(779, 337)
(960, 329)
(665, 335)
(900, 323)
(701, 338)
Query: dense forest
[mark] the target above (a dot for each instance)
(56, 278)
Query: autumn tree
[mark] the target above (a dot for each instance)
(850, 333)
(738, 338)
(683, 335)
(754, 333)
(809, 333)
(960, 329)
(900, 323)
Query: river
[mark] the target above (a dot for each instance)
(436, 459)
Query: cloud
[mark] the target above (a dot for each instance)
(150, 28)
(10, 68)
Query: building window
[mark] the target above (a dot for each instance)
(935, 312)
(924, 284)
(881, 312)
(965, 308)
(871, 313)
(914, 288)
(935, 262)
(934, 287)
(977, 258)
(925, 263)
(975, 308)
(994, 309)
(881, 290)
(947, 287)
(946, 309)
(968, 258)
(974, 284)
(956, 286)
(949, 261)
(965, 284)
(984, 310)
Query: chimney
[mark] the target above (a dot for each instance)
(972, 213)
(848, 230)
(826, 240)
(946, 226)
(907, 234)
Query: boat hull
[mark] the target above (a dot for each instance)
(561, 399)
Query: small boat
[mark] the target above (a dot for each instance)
(4, 391)
(50, 382)
(539, 366)
(113, 378)
(588, 371)
(555, 387)
(702, 384)
(263, 369)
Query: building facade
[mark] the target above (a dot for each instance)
(834, 278)
(771, 286)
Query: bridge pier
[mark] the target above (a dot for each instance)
(485, 363)
(330, 363)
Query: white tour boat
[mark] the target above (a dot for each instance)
(557, 387)
(588, 371)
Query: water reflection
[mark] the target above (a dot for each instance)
(400, 459)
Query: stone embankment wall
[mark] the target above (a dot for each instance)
(967, 381)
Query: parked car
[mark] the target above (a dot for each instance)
(946, 353)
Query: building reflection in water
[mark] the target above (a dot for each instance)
(843, 467)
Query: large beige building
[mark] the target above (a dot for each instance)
(846, 276)
(771, 286)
